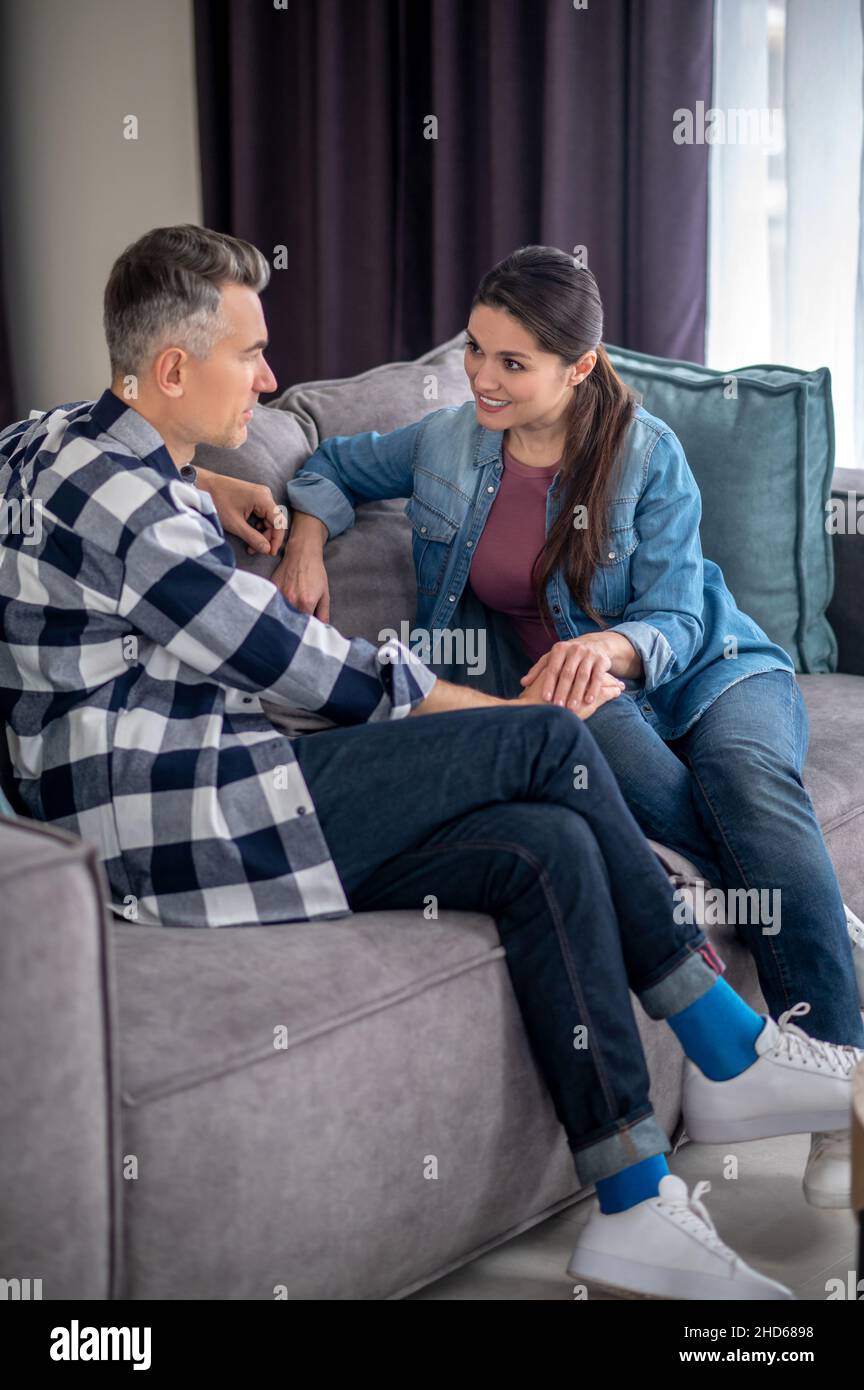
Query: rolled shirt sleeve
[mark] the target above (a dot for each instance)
(183, 591)
(663, 619)
(347, 469)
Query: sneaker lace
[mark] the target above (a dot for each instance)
(692, 1216)
(794, 1043)
(854, 926)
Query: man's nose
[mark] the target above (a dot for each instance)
(265, 381)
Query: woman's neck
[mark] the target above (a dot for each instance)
(536, 454)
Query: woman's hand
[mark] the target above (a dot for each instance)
(236, 501)
(609, 688)
(574, 672)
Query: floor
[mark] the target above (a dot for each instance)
(761, 1214)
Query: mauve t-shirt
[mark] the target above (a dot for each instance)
(514, 535)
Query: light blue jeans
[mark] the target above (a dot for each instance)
(729, 796)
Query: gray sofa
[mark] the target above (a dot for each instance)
(157, 1145)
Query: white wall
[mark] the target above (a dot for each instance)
(74, 192)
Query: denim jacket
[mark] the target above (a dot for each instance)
(653, 584)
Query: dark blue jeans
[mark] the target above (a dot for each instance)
(486, 810)
(729, 796)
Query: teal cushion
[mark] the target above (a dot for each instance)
(760, 442)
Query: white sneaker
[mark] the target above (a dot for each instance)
(855, 928)
(798, 1085)
(828, 1175)
(666, 1247)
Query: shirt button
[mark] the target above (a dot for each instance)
(247, 699)
(301, 810)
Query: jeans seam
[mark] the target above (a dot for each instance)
(620, 1128)
(778, 960)
(543, 880)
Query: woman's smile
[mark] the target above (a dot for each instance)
(490, 404)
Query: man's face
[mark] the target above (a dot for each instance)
(219, 392)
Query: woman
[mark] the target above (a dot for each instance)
(564, 517)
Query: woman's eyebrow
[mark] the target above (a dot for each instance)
(500, 354)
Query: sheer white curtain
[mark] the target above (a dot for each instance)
(786, 282)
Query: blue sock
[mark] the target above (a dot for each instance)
(717, 1032)
(631, 1185)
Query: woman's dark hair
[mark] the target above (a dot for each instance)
(558, 301)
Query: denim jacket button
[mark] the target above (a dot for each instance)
(556, 609)
(468, 545)
(490, 488)
(452, 598)
(423, 530)
(611, 554)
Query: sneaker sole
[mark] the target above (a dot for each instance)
(718, 1131)
(624, 1277)
(828, 1200)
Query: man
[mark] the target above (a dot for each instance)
(134, 662)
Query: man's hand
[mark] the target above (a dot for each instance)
(575, 671)
(236, 501)
(301, 574)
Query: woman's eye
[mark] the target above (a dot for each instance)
(472, 347)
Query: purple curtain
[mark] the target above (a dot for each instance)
(554, 125)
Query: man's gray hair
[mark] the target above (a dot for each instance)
(165, 289)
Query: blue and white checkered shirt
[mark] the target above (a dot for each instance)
(133, 662)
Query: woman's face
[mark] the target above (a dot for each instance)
(522, 384)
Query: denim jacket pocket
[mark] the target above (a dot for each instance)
(610, 586)
(432, 542)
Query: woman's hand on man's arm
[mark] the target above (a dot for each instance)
(301, 574)
(445, 696)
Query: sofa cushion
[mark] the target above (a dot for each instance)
(394, 394)
(760, 442)
(834, 774)
(302, 1157)
(276, 445)
(60, 1167)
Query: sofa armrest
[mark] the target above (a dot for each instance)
(846, 610)
(59, 1098)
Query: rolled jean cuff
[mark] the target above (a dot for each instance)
(620, 1150)
(686, 981)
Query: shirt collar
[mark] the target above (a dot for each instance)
(129, 427)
